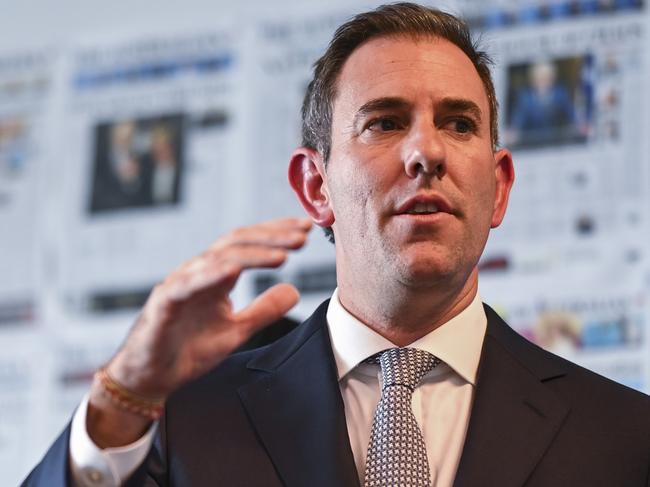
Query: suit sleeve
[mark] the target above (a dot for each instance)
(53, 470)
(74, 461)
(91, 466)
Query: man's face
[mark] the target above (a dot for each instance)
(412, 180)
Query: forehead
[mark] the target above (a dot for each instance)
(419, 69)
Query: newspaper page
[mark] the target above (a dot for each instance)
(151, 132)
(26, 79)
(568, 267)
(286, 48)
(150, 143)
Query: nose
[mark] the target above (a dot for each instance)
(423, 151)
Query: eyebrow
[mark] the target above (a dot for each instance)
(397, 103)
(381, 104)
(462, 105)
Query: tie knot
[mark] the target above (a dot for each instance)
(405, 366)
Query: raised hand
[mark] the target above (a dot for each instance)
(188, 325)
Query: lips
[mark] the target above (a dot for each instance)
(424, 204)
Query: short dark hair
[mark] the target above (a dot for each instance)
(399, 19)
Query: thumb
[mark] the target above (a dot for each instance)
(269, 306)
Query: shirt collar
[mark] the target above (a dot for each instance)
(457, 342)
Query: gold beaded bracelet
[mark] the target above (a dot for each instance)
(150, 408)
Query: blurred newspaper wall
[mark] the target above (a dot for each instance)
(131, 136)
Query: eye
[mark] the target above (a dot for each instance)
(463, 125)
(384, 124)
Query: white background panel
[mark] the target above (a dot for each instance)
(205, 98)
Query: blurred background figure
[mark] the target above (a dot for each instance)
(122, 174)
(544, 111)
(559, 332)
(164, 187)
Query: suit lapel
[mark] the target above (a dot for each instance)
(514, 416)
(297, 409)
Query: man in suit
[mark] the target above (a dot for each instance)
(400, 163)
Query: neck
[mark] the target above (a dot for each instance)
(403, 314)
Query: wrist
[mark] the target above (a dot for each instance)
(109, 425)
(126, 399)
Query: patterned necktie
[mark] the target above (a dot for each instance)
(397, 455)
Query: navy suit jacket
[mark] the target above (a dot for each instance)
(274, 416)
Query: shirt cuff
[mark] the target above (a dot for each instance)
(92, 466)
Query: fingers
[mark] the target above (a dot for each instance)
(263, 245)
(188, 321)
(268, 307)
(290, 222)
(289, 233)
(221, 270)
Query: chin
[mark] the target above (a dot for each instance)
(426, 271)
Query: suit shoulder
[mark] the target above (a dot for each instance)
(581, 382)
(246, 366)
(572, 380)
(225, 376)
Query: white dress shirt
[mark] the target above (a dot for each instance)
(441, 403)
(92, 466)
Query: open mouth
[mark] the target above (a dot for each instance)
(424, 204)
(422, 209)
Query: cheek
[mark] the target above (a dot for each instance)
(355, 196)
(484, 193)
(357, 177)
(345, 190)
(477, 184)
(479, 174)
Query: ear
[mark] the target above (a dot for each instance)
(505, 177)
(308, 180)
